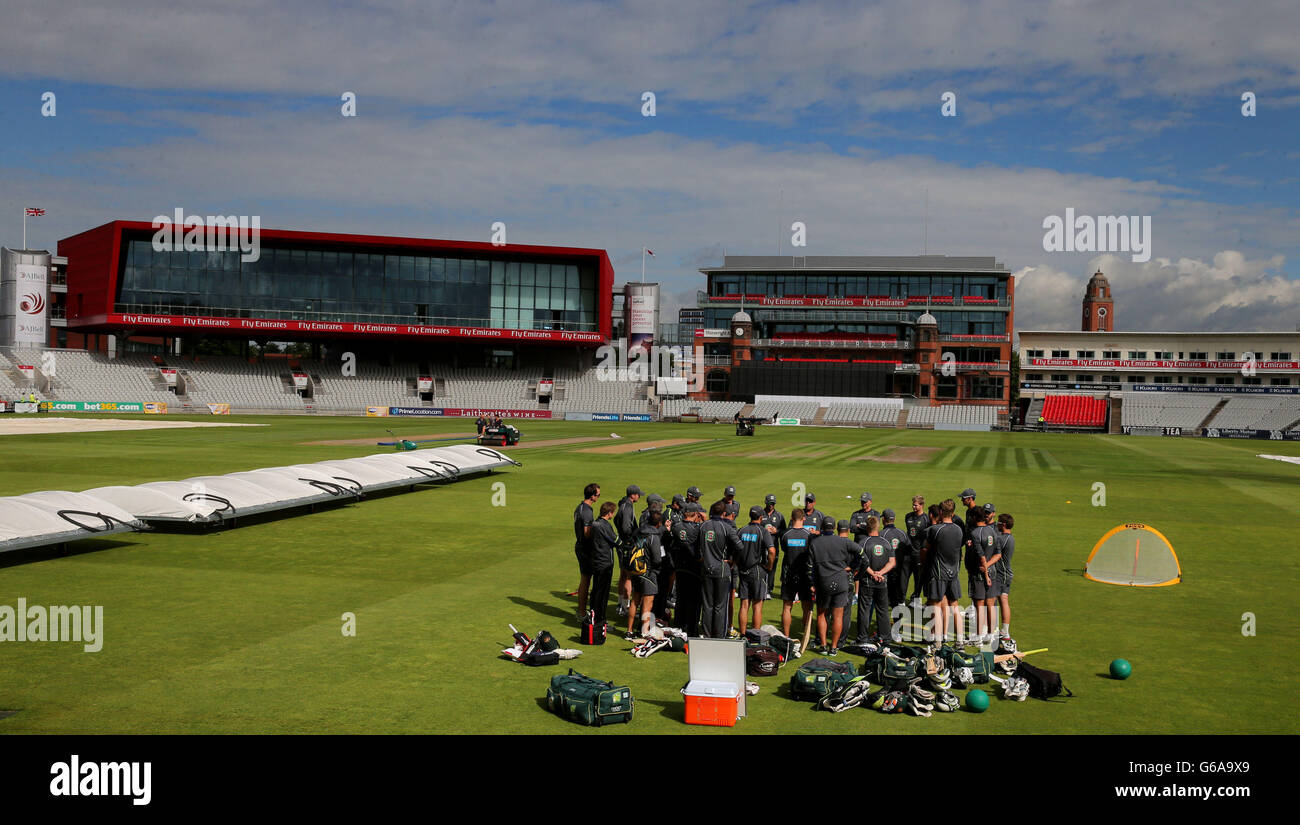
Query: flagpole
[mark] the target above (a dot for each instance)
(643, 264)
(24, 229)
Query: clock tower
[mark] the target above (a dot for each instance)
(742, 331)
(1098, 306)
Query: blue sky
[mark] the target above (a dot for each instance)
(766, 113)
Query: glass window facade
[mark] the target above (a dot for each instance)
(849, 285)
(359, 287)
(768, 323)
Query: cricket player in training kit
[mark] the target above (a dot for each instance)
(812, 517)
(645, 587)
(943, 588)
(690, 585)
(904, 561)
(774, 521)
(604, 541)
(968, 501)
(858, 521)
(842, 530)
(917, 524)
(753, 562)
(718, 545)
(830, 567)
(583, 517)
(733, 506)
(980, 553)
(933, 518)
(873, 588)
(795, 585)
(1006, 546)
(625, 524)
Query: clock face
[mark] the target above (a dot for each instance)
(1101, 312)
(740, 330)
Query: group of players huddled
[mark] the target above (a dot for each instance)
(692, 563)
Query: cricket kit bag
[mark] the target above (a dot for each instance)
(967, 669)
(788, 648)
(587, 700)
(546, 642)
(1043, 684)
(819, 677)
(886, 668)
(754, 636)
(761, 660)
(592, 633)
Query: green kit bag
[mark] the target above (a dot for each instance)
(819, 677)
(587, 700)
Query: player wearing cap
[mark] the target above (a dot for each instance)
(718, 544)
(686, 560)
(943, 588)
(774, 522)
(625, 524)
(1006, 546)
(693, 493)
(901, 546)
(794, 583)
(917, 523)
(968, 501)
(830, 566)
(752, 564)
(981, 553)
(654, 501)
(812, 517)
(873, 577)
(729, 499)
(583, 517)
(604, 548)
(858, 521)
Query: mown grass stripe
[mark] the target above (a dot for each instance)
(954, 458)
(1052, 463)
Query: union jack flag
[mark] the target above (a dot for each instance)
(33, 212)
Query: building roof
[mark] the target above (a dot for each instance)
(883, 263)
(741, 317)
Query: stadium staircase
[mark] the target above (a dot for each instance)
(746, 411)
(820, 417)
(902, 419)
(1035, 412)
(1116, 415)
(1217, 408)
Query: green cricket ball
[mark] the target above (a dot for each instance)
(977, 701)
(1120, 669)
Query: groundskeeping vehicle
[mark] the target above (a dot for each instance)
(504, 435)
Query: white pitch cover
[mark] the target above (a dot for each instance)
(151, 503)
(21, 519)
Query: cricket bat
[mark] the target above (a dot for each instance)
(1002, 657)
(807, 631)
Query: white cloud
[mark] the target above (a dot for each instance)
(1228, 293)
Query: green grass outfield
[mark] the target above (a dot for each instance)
(239, 630)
